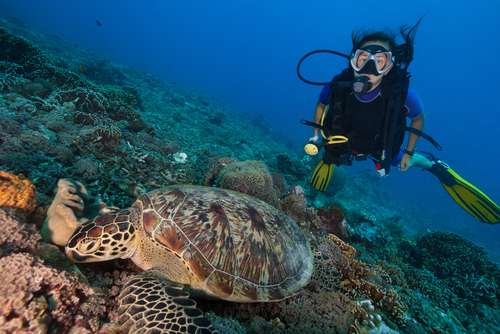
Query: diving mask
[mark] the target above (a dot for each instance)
(372, 59)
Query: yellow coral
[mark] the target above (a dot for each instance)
(17, 192)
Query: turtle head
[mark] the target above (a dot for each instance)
(105, 238)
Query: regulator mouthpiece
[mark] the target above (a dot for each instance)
(361, 85)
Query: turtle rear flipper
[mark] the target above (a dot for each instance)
(151, 304)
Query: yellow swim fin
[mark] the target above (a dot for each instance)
(322, 175)
(465, 194)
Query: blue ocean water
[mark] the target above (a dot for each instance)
(244, 54)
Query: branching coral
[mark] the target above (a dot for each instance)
(107, 136)
(85, 100)
(85, 118)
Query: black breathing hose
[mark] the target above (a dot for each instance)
(301, 77)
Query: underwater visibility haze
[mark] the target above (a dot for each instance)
(152, 154)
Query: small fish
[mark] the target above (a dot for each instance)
(98, 23)
(82, 69)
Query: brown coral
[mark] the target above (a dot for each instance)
(17, 192)
(294, 204)
(34, 297)
(214, 168)
(249, 177)
(355, 276)
(333, 221)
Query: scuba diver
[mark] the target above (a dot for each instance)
(362, 114)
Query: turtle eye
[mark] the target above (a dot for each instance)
(88, 245)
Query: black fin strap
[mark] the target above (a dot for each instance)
(425, 136)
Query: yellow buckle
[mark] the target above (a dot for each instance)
(336, 140)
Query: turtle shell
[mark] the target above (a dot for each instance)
(237, 247)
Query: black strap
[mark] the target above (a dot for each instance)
(425, 136)
(313, 124)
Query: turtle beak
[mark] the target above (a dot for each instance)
(75, 257)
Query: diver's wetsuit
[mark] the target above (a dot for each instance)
(413, 105)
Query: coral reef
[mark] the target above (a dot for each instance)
(462, 266)
(64, 112)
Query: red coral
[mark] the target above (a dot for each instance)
(34, 297)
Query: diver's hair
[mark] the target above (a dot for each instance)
(408, 32)
(361, 37)
(403, 52)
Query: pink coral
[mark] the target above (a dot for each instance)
(16, 235)
(34, 297)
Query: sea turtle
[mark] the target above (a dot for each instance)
(200, 241)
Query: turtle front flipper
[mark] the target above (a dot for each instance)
(149, 303)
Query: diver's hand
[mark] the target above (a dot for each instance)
(405, 162)
(313, 139)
